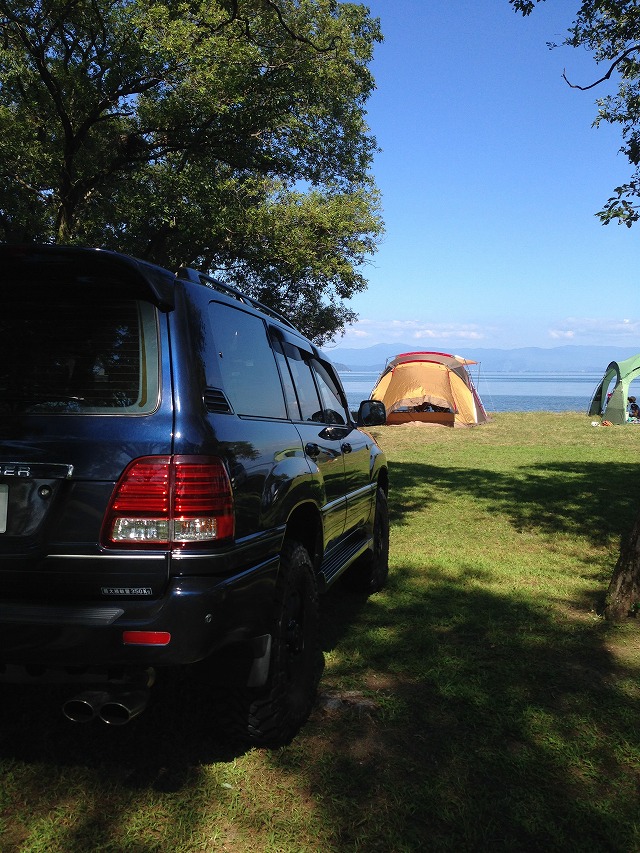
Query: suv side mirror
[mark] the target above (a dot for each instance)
(371, 413)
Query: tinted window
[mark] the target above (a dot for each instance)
(247, 363)
(333, 410)
(287, 380)
(305, 386)
(80, 352)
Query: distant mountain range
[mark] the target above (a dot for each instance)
(565, 359)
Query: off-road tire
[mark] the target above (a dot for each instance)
(273, 714)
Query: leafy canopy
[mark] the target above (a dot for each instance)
(228, 134)
(610, 30)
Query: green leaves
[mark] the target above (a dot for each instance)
(610, 30)
(302, 252)
(623, 207)
(178, 131)
(524, 6)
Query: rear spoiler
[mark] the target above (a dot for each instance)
(98, 266)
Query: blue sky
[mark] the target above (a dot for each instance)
(491, 174)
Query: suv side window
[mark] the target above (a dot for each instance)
(286, 377)
(246, 362)
(306, 390)
(333, 410)
(310, 388)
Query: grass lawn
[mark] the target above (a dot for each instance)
(478, 703)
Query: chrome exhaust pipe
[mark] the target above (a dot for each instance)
(84, 707)
(116, 708)
(121, 707)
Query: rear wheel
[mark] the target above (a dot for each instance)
(273, 714)
(369, 573)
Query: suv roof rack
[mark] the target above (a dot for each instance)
(190, 274)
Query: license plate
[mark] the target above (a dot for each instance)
(4, 504)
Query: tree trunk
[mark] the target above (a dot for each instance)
(623, 595)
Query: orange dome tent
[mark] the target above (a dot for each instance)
(432, 387)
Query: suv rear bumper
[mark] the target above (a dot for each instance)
(201, 614)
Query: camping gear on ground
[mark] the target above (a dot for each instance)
(431, 387)
(610, 397)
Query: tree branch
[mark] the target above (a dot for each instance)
(294, 36)
(614, 65)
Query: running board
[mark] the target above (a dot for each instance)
(342, 556)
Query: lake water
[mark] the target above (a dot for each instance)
(505, 392)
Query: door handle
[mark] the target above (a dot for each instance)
(312, 450)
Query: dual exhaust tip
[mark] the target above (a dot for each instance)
(114, 708)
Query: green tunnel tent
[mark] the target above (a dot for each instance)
(615, 385)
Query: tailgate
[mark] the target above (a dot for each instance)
(84, 389)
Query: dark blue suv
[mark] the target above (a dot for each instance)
(180, 476)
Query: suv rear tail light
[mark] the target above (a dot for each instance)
(170, 501)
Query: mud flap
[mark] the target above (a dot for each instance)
(261, 649)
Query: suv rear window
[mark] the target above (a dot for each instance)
(84, 353)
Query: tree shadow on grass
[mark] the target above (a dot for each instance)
(499, 726)
(489, 724)
(593, 500)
